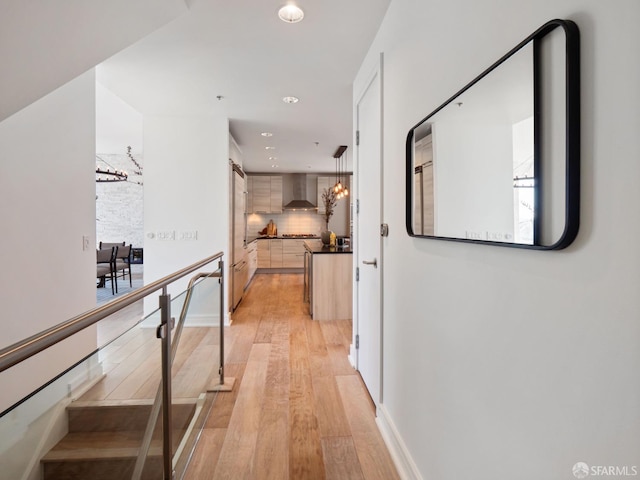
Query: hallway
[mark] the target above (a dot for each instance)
(298, 409)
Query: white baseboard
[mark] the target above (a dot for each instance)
(352, 356)
(405, 465)
(202, 320)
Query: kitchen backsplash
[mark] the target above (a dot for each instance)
(293, 222)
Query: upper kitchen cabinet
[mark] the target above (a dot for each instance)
(276, 194)
(265, 194)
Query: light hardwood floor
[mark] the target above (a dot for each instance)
(298, 409)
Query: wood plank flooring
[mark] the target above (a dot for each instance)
(298, 409)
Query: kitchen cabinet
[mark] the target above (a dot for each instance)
(423, 213)
(292, 253)
(264, 253)
(269, 254)
(276, 195)
(265, 194)
(275, 252)
(328, 281)
(261, 194)
(279, 253)
(252, 260)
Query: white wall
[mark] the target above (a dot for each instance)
(47, 205)
(186, 192)
(45, 44)
(506, 363)
(118, 124)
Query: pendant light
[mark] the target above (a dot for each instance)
(339, 189)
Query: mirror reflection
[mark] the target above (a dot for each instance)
(475, 162)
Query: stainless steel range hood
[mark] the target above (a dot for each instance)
(299, 187)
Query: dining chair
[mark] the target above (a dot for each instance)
(123, 262)
(105, 266)
(111, 244)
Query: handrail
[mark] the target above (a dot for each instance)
(24, 349)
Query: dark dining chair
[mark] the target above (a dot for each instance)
(123, 263)
(105, 266)
(110, 244)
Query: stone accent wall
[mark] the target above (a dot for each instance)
(119, 205)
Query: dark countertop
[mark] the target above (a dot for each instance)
(316, 246)
(282, 237)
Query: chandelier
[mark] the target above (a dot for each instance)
(340, 189)
(106, 173)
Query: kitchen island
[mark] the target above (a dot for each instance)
(328, 280)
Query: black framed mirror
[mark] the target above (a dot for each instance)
(499, 162)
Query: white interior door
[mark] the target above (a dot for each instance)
(368, 240)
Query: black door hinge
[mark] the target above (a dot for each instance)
(357, 274)
(357, 341)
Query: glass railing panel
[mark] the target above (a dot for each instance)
(195, 365)
(195, 372)
(90, 418)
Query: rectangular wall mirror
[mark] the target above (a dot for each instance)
(499, 162)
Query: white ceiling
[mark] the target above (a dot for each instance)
(244, 53)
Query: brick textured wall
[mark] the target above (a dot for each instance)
(119, 205)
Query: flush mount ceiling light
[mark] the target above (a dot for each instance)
(291, 14)
(267, 134)
(269, 148)
(290, 99)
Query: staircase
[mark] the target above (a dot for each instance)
(104, 438)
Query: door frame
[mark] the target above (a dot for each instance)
(377, 72)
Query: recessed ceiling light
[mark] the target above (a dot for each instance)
(269, 148)
(273, 158)
(274, 166)
(291, 14)
(290, 99)
(267, 134)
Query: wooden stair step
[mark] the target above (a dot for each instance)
(117, 415)
(98, 445)
(102, 456)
